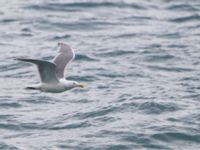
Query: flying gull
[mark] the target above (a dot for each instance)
(52, 73)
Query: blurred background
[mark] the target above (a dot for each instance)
(140, 61)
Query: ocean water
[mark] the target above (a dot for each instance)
(140, 61)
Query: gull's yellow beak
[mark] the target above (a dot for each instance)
(81, 85)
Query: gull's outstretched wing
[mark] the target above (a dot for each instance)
(65, 55)
(47, 70)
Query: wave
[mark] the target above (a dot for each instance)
(170, 69)
(7, 146)
(82, 5)
(174, 136)
(116, 53)
(184, 19)
(84, 57)
(157, 108)
(182, 7)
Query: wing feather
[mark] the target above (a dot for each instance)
(65, 55)
(47, 70)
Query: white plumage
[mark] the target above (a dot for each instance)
(52, 73)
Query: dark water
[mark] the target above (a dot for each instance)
(139, 59)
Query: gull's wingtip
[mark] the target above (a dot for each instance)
(62, 43)
(63, 47)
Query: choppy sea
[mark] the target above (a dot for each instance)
(139, 60)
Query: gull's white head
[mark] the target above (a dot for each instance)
(72, 84)
(77, 84)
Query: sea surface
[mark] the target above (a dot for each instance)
(139, 60)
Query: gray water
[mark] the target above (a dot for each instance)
(140, 61)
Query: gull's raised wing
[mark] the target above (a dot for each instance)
(47, 70)
(65, 55)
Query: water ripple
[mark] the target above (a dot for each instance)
(8, 147)
(82, 5)
(84, 58)
(70, 126)
(157, 108)
(182, 7)
(184, 19)
(173, 136)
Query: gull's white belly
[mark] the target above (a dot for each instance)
(61, 86)
(54, 88)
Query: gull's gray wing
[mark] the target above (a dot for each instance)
(47, 70)
(65, 55)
